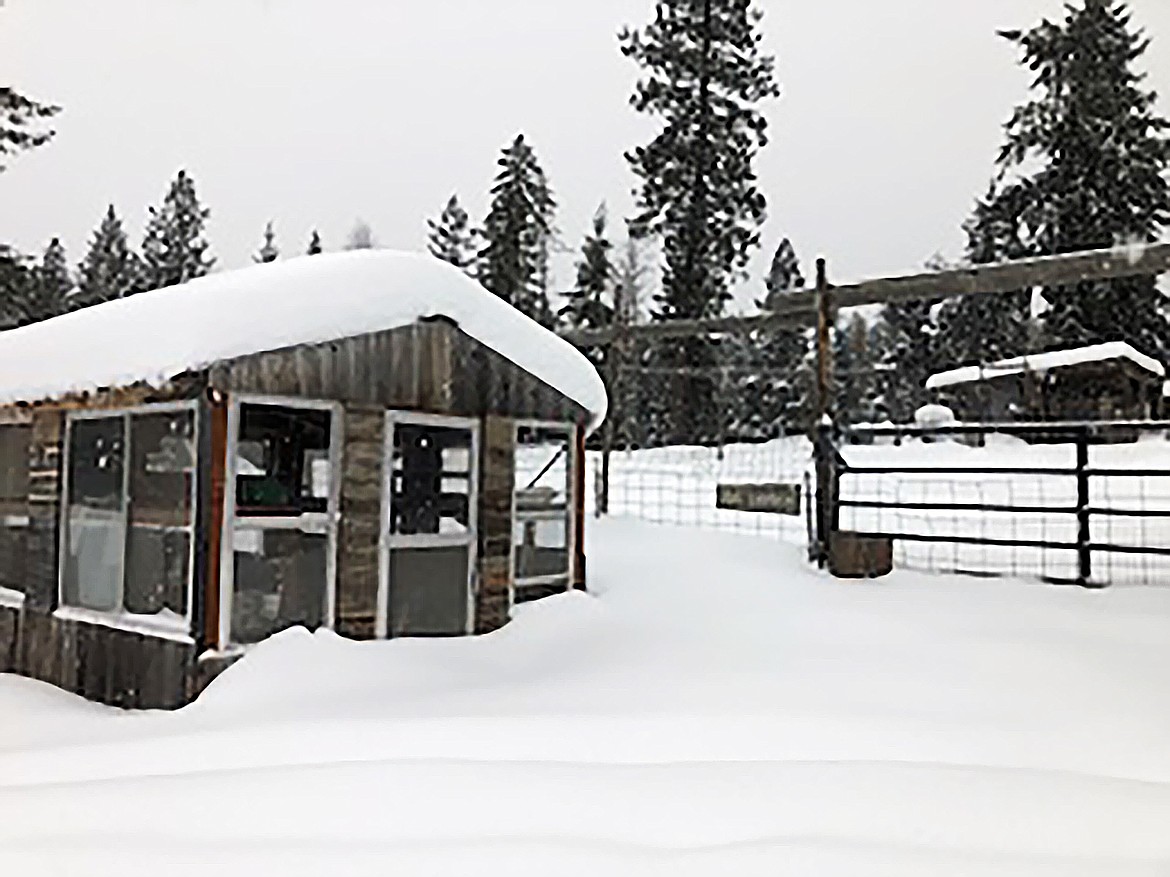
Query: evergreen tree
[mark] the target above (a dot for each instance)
(586, 306)
(361, 237)
(269, 251)
(50, 288)
(174, 249)
(314, 244)
(784, 275)
(451, 237)
(15, 287)
(518, 233)
(775, 393)
(110, 269)
(20, 123)
(705, 78)
(1084, 166)
(856, 389)
(904, 357)
(975, 329)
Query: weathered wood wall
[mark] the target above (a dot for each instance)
(407, 367)
(497, 462)
(98, 662)
(361, 521)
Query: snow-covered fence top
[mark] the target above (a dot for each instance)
(155, 336)
(1043, 362)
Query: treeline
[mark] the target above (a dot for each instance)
(1083, 166)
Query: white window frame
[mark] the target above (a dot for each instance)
(565, 578)
(10, 599)
(326, 522)
(122, 620)
(388, 543)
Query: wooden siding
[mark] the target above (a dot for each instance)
(407, 367)
(361, 515)
(427, 366)
(9, 625)
(497, 467)
(485, 382)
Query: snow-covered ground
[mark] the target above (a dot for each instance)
(714, 707)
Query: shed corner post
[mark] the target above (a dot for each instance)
(213, 489)
(579, 466)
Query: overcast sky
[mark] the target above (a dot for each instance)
(313, 113)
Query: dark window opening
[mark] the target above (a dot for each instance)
(430, 481)
(282, 461)
(14, 451)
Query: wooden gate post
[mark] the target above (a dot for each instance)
(1084, 534)
(824, 454)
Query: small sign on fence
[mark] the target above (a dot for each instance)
(777, 499)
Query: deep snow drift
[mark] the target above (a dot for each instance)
(713, 708)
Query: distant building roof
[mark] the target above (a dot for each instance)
(1044, 362)
(155, 336)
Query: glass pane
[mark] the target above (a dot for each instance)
(430, 480)
(282, 461)
(96, 450)
(162, 471)
(540, 534)
(14, 451)
(95, 529)
(428, 591)
(279, 582)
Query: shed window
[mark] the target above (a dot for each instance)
(15, 441)
(127, 541)
(430, 480)
(541, 528)
(282, 461)
(281, 537)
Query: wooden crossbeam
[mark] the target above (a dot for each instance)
(799, 308)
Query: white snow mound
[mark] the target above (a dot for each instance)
(155, 336)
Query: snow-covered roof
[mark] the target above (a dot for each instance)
(155, 336)
(1043, 362)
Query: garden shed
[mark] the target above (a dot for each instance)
(1110, 381)
(368, 442)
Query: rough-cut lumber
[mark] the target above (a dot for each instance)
(800, 308)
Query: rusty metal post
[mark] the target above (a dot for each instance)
(824, 453)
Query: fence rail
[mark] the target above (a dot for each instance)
(1065, 517)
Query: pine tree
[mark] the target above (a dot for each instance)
(904, 354)
(174, 249)
(451, 237)
(20, 120)
(110, 268)
(775, 393)
(1102, 156)
(976, 329)
(269, 251)
(518, 234)
(50, 288)
(784, 275)
(314, 244)
(856, 389)
(586, 305)
(361, 237)
(15, 286)
(705, 77)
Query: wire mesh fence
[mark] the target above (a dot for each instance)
(678, 485)
(1086, 503)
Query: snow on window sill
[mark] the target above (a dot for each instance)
(11, 599)
(165, 625)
